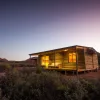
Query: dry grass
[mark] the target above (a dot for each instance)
(27, 84)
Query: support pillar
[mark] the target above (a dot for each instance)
(65, 72)
(30, 59)
(76, 62)
(54, 59)
(84, 60)
(38, 61)
(73, 72)
(30, 56)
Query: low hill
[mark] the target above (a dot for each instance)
(3, 60)
(31, 59)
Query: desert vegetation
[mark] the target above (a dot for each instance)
(27, 84)
(6, 65)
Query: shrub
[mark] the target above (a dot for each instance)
(29, 85)
(4, 66)
(16, 85)
(74, 90)
(39, 69)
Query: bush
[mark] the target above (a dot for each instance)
(29, 85)
(39, 69)
(4, 67)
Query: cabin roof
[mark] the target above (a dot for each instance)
(37, 53)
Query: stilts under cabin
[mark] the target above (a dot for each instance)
(74, 58)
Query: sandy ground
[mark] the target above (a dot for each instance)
(86, 75)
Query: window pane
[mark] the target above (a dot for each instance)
(74, 57)
(45, 61)
(70, 57)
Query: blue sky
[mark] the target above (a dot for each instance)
(28, 26)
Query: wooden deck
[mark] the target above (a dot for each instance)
(71, 69)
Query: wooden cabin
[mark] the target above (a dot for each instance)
(73, 58)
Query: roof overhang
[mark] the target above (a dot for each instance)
(59, 49)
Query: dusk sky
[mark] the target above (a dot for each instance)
(29, 26)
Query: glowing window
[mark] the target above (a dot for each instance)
(72, 57)
(45, 61)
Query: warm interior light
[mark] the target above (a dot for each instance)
(72, 57)
(55, 64)
(45, 61)
(66, 50)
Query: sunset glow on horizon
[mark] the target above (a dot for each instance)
(38, 25)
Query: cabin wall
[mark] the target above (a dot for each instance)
(95, 61)
(98, 54)
(55, 60)
(91, 60)
(65, 59)
(69, 59)
(59, 59)
(76, 58)
(81, 58)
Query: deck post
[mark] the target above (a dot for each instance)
(84, 61)
(92, 62)
(62, 61)
(38, 62)
(54, 59)
(76, 62)
(65, 72)
(73, 72)
(30, 56)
